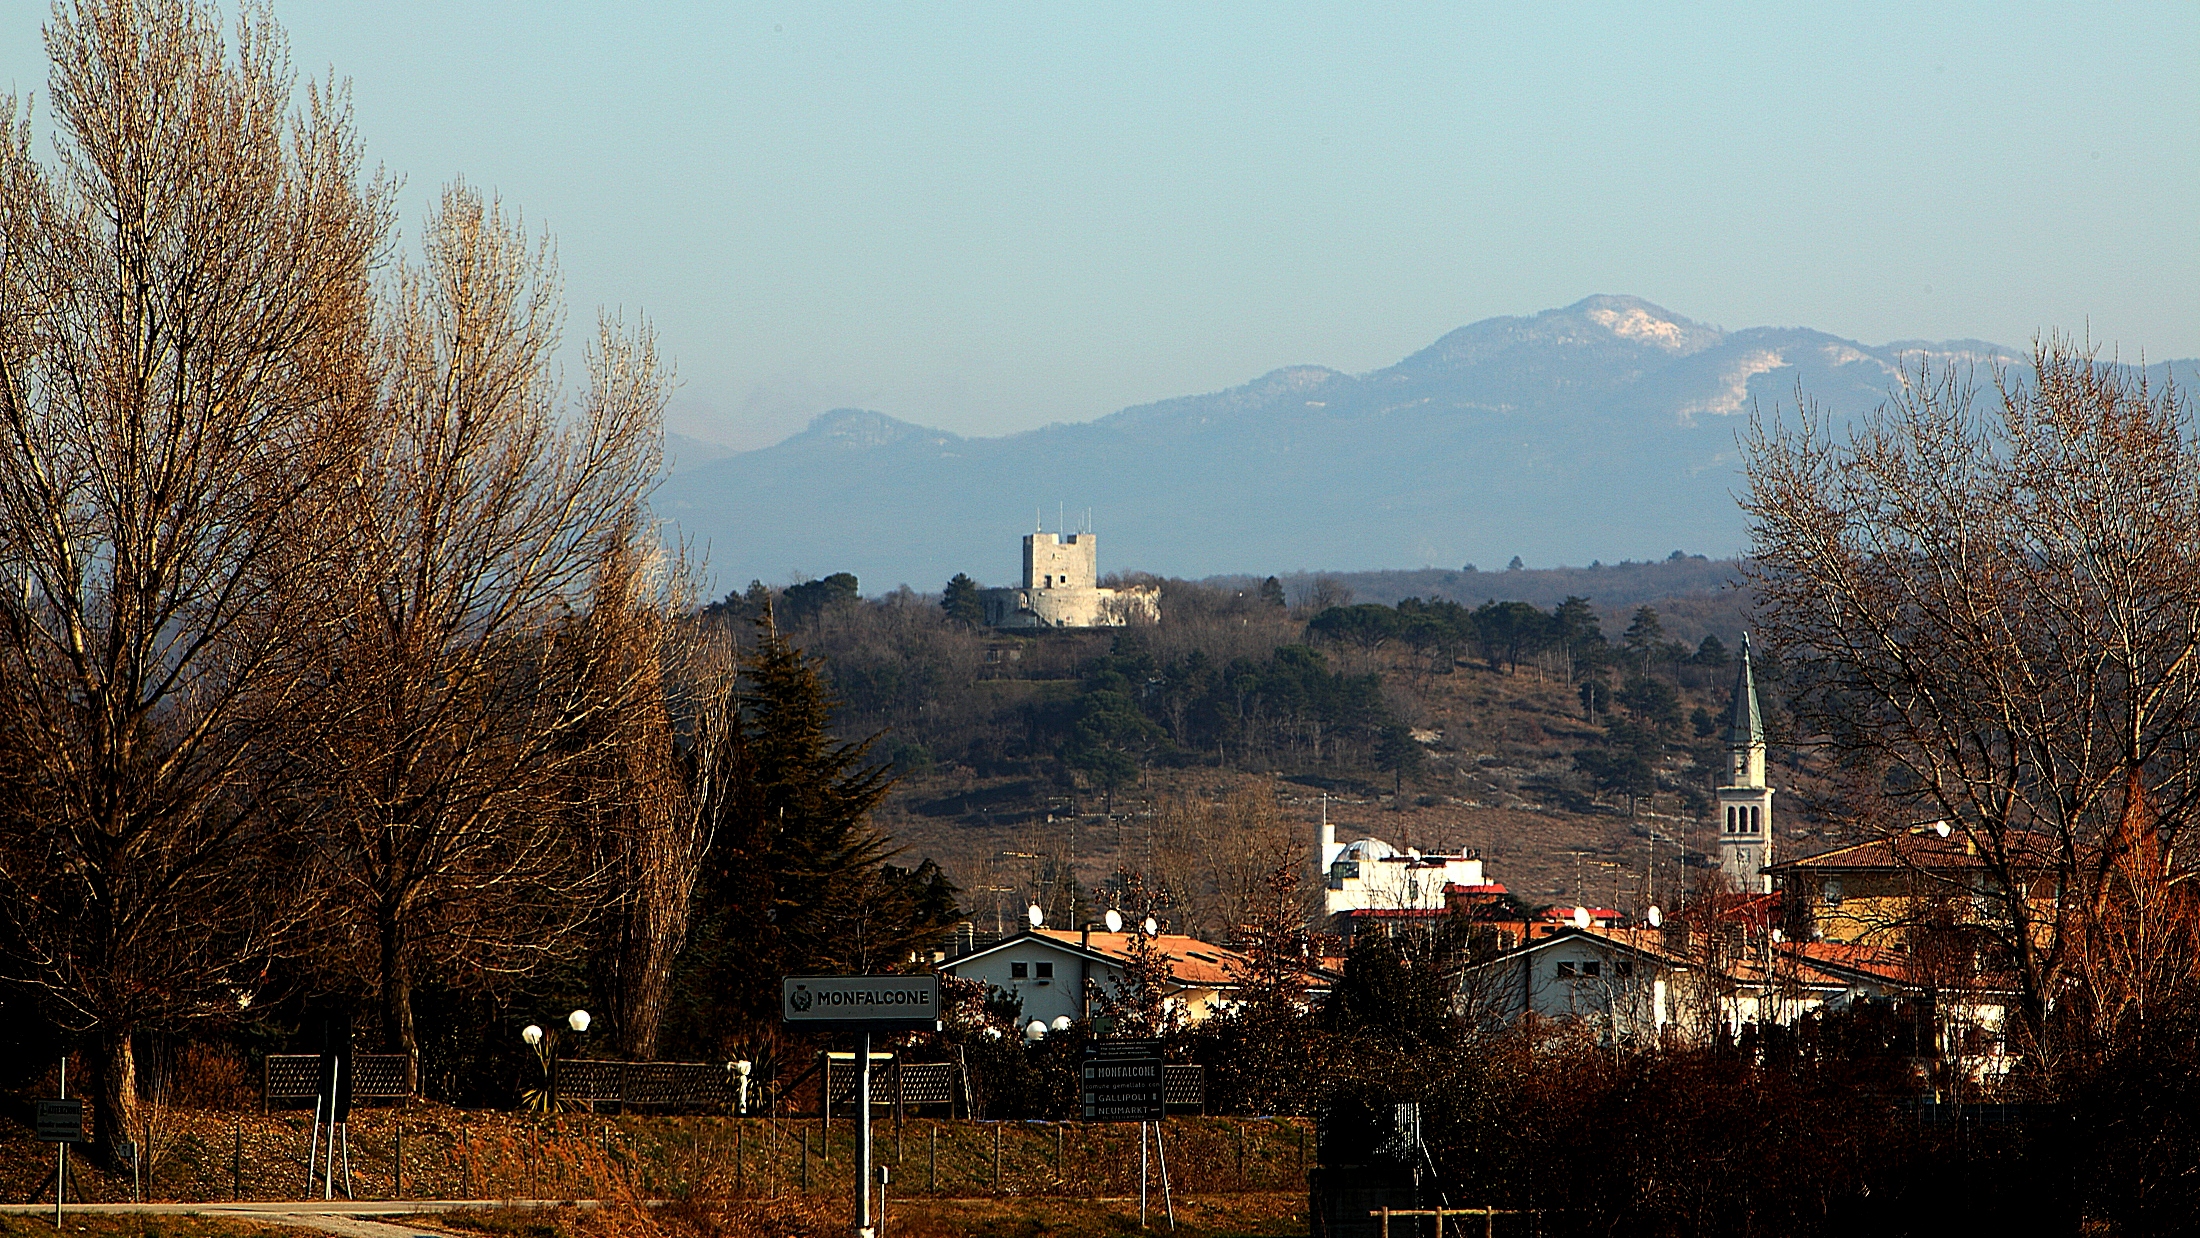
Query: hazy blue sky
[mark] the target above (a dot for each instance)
(991, 218)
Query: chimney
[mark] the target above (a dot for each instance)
(1084, 938)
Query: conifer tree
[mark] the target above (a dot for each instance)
(798, 882)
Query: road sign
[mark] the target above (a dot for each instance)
(61, 1121)
(1121, 1081)
(861, 1003)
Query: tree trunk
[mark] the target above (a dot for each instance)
(114, 1097)
(397, 1007)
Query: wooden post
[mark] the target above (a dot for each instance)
(236, 1165)
(996, 1156)
(1386, 1223)
(932, 1168)
(805, 1159)
(740, 1180)
(397, 1160)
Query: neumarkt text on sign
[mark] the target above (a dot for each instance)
(1121, 1081)
(862, 1003)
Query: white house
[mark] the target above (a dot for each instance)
(1621, 982)
(1372, 875)
(1061, 973)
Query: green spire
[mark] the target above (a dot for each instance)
(1747, 729)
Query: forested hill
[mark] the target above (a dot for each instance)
(1613, 588)
(1034, 764)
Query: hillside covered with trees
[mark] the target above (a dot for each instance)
(1574, 747)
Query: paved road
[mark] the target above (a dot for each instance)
(363, 1218)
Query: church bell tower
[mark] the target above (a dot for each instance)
(1745, 802)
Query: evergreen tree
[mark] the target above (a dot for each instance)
(798, 881)
(961, 601)
(1271, 593)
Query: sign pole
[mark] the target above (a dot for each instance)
(61, 1166)
(863, 1139)
(1142, 1158)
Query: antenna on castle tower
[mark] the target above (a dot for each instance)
(1061, 518)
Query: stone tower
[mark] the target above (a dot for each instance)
(1745, 802)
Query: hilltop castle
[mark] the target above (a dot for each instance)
(1061, 589)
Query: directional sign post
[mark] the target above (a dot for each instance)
(861, 1004)
(61, 1121)
(1121, 1082)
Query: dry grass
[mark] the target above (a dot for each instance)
(19, 1225)
(1258, 1215)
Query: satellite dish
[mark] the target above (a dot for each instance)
(1581, 917)
(1778, 937)
(1036, 1032)
(1115, 920)
(1036, 916)
(1656, 917)
(1061, 1023)
(1152, 927)
(1940, 828)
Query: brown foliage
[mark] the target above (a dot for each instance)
(1994, 610)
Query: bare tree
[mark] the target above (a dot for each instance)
(675, 756)
(184, 315)
(1994, 607)
(473, 691)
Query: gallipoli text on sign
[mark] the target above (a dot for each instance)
(876, 1003)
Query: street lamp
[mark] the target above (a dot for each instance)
(545, 1099)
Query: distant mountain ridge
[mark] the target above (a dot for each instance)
(1605, 429)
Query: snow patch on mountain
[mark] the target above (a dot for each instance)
(1733, 388)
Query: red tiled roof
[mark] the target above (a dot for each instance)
(1192, 962)
(1921, 848)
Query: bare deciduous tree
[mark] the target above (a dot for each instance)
(472, 690)
(674, 748)
(1995, 608)
(184, 315)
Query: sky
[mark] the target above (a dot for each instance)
(988, 218)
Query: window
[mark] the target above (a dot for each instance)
(1017, 971)
(1730, 818)
(1624, 968)
(1833, 893)
(1566, 970)
(1591, 969)
(1046, 971)
(1756, 820)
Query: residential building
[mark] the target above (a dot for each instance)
(1371, 875)
(1057, 973)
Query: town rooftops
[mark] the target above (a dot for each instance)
(1920, 847)
(1193, 963)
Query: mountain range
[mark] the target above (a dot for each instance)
(1605, 429)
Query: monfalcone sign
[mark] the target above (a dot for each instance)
(861, 1003)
